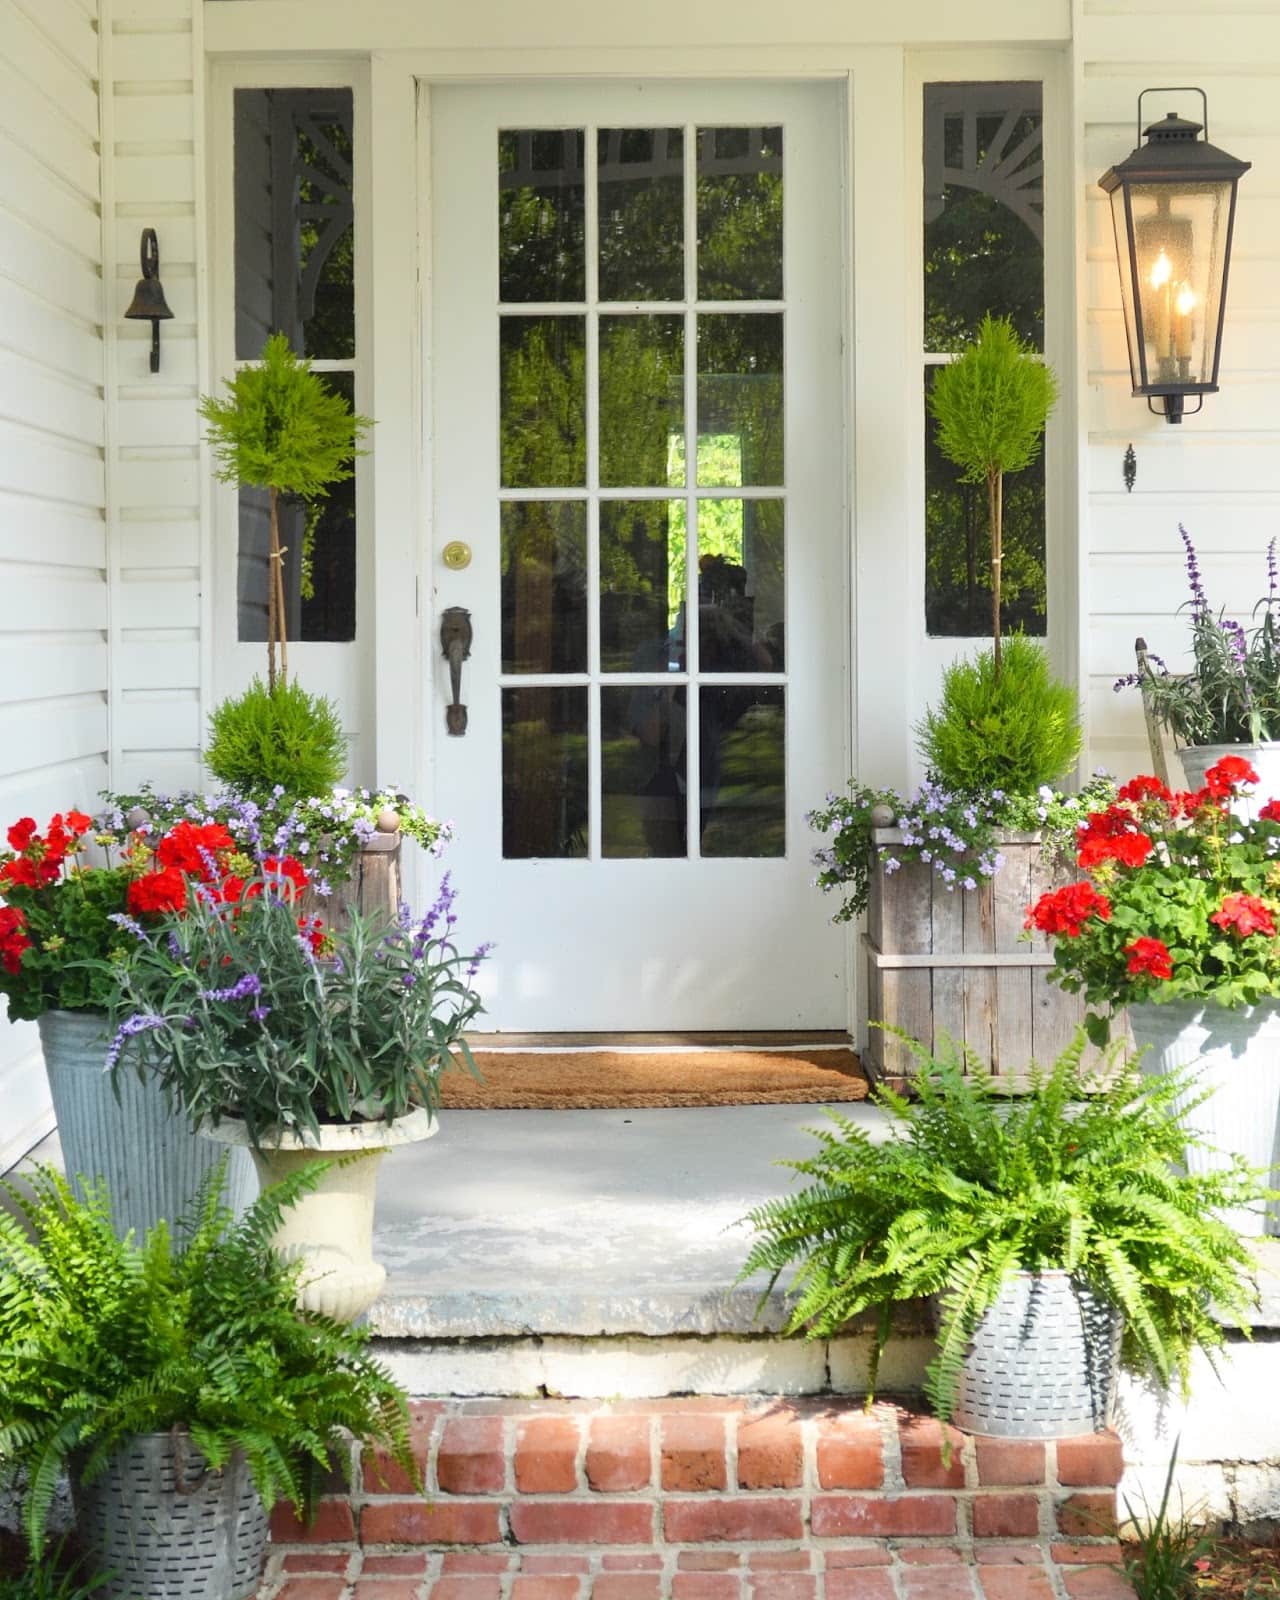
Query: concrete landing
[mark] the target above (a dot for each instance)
(584, 1223)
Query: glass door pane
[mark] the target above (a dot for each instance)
(642, 328)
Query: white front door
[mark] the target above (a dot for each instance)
(637, 428)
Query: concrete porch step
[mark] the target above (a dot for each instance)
(710, 1499)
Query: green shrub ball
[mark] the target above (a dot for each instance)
(284, 736)
(1013, 732)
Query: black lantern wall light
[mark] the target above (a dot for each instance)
(1173, 206)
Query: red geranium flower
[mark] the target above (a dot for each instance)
(1271, 811)
(192, 848)
(20, 873)
(289, 869)
(1188, 801)
(1227, 775)
(1244, 914)
(1065, 911)
(13, 941)
(78, 822)
(1149, 956)
(1131, 849)
(312, 930)
(22, 833)
(158, 891)
(1143, 788)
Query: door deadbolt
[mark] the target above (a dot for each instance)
(456, 555)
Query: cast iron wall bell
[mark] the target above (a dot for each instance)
(149, 303)
(1173, 207)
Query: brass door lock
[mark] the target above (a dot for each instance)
(456, 555)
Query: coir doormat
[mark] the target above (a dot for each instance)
(566, 1080)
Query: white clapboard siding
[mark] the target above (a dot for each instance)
(54, 676)
(1216, 474)
(154, 125)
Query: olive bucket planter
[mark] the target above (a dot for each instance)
(953, 964)
(1235, 1053)
(165, 1526)
(1043, 1361)
(123, 1133)
(331, 1228)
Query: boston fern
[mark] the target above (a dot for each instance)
(103, 1338)
(1079, 1176)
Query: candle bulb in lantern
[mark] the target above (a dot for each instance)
(1161, 273)
(1184, 328)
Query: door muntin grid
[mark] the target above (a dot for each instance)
(642, 328)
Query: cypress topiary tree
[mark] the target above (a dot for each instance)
(991, 405)
(281, 428)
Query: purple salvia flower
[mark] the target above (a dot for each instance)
(121, 920)
(1199, 602)
(175, 949)
(474, 965)
(128, 1029)
(1271, 572)
(249, 985)
(260, 1013)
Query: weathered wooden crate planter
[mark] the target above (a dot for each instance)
(374, 884)
(952, 963)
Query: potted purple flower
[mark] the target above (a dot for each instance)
(1229, 701)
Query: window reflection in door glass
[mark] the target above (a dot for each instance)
(541, 215)
(544, 586)
(740, 213)
(642, 764)
(544, 773)
(642, 402)
(741, 611)
(742, 739)
(641, 217)
(740, 423)
(643, 564)
(544, 402)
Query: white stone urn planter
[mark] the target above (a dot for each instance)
(331, 1228)
(1263, 758)
(1235, 1052)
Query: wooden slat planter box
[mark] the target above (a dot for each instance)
(374, 884)
(952, 963)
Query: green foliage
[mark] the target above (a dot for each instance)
(1169, 1545)
(73, 943)
(954, 831)
(992, 402)
(281, 426)
(1014, 729)
(282, 736)
(53, 1578)
(286, 1041)
(1080, 1176)
(103, 1338)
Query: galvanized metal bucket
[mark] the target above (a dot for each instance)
(1043, 1361)
(1235, 1053)
(151, 1160)
(166, 1527)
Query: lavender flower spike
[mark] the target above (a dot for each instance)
(1271, 572)
(128, 1029)
(241, 989)
(1199, 601)
(122, 920)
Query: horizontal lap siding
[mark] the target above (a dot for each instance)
(1217, 473)
(156, 482)
(54, 623)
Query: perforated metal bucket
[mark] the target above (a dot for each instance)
(1043, 1361)
(167, 1528)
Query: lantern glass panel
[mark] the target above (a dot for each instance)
(1180, 234)
(1119, 222)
